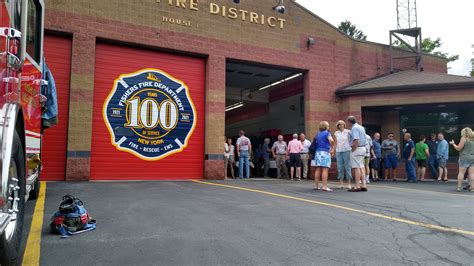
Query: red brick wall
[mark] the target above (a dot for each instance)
(333, 62)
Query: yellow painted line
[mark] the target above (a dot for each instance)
(373, 214)
(33, 244)
(457, 194)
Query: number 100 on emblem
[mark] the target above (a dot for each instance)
(149, 114)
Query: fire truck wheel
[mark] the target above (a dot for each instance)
(10, 239)
(34, 193)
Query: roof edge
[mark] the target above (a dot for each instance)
(406, 88)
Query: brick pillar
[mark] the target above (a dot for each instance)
(80, 107)
(215, 118)
(310, 96)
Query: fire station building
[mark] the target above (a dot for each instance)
(147, 90)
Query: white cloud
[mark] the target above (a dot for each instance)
(449, 20)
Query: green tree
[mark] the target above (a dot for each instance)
(351, 29)
(472, 64)
(429, 46)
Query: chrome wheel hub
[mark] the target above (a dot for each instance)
(13, 199)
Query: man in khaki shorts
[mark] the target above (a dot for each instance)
(305, 154)
(357, 142)
(279, 151)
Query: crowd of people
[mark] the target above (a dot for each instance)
(359, 157)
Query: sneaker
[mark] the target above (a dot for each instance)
(349, 187)
(363, 189)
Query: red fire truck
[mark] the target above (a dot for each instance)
(21, 49)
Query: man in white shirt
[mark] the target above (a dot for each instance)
(244, 148)
(305, 154)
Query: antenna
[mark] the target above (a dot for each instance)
(407, 29)
(407, 16)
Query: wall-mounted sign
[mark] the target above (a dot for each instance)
(230, 12)
(149, 114)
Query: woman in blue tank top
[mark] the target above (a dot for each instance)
(322, 157)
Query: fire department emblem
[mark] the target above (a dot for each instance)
(150, 114)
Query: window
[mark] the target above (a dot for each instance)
(33, 30)
(449, 120)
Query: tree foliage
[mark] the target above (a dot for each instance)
(430, 46)
(472, 64)
(351, 29)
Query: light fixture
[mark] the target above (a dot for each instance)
(441, 105)
(293, 77)
(234, 106)
(280, 81)
(280, 8)
(310, 42)
(398, 108)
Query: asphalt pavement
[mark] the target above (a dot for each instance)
(272, 222)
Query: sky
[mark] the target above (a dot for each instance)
(449, 20)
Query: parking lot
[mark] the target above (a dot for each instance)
(256, 222)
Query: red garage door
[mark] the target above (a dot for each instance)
(148, 117)
(57, 52)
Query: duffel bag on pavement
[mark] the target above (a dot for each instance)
(72, 218)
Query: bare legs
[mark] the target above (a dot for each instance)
(441, 170)
(462, 172)
(359, 177)
(471, 178)
(321, 172)
(298, 172)
(375, 174)
(317, 176)
(421, 171)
